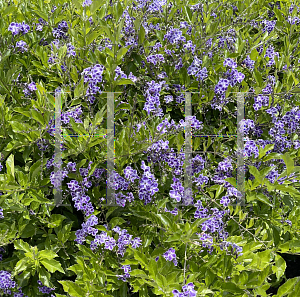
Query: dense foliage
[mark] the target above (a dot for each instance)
(156, 241)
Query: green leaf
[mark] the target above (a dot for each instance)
(272, 156)
(35, 169)
(119, 10)
(55, 220)
(287, 189)
(263, 151)
(44, 276)
(141, 34)
(52, 265)
(165, 220)
(289, 162)
(22, 245)
(22, 265)
(140, 257)
(287, 287)
(254, 171)
(96, 5)
(261, 197)
(180, 141)
(47, 254)
(10, 165)
(92, 36)
(124, 81)
(280, 266)
(174, 237)
(258, 77)
(121, 52)
(116, 221)
(232, 181)
(220, 189)
(79, 89)
(72, 288)
(139, 273)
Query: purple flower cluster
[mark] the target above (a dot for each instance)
(87, 3)
(189, 46)
(249, 63)
(187, 291)
(194, 69)
(230, 63)
(1, 213)
(270, 53)
(154, 59)
(234, 77)
(293, 20)
(125, 239)
(119, 72)
(6, 282)
(93, 76)
(109, 242)
(251, 148)
(22, 46)
(56, 178)
(45, 289)
(269, 26)
(226, 244)
(82, 201)
(174, 36)
(173, 212)
(148, 185)
(170, 255)
(29, 88)
(260, 101)
(70, 50)
(157, 151)
(177, 191)
(200, 180)
(74, 113)
(152, 97)
(126, 274)
(156, 6)
(17, 28)
(61, 30)
(40, 24)
(223, 171)
(195, 124)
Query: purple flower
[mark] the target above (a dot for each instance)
(86, 3)
(170, 255)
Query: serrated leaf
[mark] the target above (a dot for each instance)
(73, 289)
(22, 265)
(47, 254)
(52, 265)
(22, 245)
